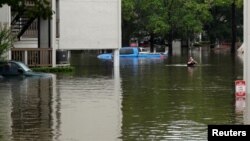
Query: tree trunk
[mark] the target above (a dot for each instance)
(125, 39)
(152, 36)
(170, 45)
(212, 39)
(125, 34)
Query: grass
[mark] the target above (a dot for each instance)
(54, 69)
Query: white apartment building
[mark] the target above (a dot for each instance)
(75, 25)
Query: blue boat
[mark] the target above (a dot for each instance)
(133, 52)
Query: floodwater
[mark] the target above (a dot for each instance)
(147, 99)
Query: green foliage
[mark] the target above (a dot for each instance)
(180, 18)
(239, 3)
(40, 8)
(6, 39)
(193, 15)
(128, 7)
(157, 25)
(220, 27)
(154, 18)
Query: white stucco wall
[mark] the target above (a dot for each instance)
(90, 24)
(5, 15)
(5, 19)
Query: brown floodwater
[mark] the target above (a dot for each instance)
(145, 99)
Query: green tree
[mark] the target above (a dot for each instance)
(40, 8)
(152, 19)
(186, 18)
(227, 18)
(142, 18)
(194, 15)
(183, 19)
(168, 19)
(128, 20)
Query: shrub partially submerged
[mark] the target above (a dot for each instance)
(53, 70)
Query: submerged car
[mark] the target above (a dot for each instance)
(16, 68)
(131, 52)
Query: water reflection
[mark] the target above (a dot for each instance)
(61, 108)
(29, 108)
(135, 61)
(186, 130)
(144, 99)
(243, 104)
(5, 111)
(247, 111)
(172, 102)
(90, 108)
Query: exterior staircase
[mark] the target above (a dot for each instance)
(22, 21)
(20, 24)
(24, 26)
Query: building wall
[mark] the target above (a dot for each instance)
(5, 15)
(90, 24)
(5, 20)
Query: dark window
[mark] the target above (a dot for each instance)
(126, 51)
(14, 68)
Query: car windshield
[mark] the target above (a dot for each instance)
(24, 67)
(126, 51)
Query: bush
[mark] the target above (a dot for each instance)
(53, 70)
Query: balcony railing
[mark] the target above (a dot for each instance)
(33, 56)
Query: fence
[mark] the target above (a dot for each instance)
(33, 56)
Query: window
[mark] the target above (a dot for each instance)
(126, 51)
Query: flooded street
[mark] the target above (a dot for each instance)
(148, 99)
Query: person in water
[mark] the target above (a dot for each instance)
(191, 61)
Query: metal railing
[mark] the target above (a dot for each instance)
(32, 31)
(33, 56)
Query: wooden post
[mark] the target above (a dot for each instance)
(26, 57)
(116, 58)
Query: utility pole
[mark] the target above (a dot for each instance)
(246, 61)
(233, 28)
